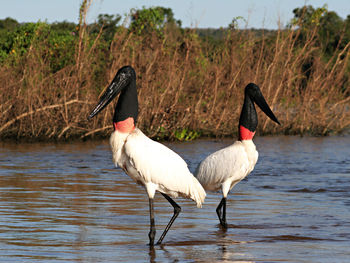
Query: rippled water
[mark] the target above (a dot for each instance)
(67, 203)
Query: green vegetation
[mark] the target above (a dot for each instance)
(190, 81)
(186, 135)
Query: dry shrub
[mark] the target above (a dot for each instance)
(183, 86)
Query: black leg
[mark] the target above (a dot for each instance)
(177, 210)
(218, 211)
(224, 214)
(152, 232)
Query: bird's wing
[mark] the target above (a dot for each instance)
(160, 165)
(228, 163)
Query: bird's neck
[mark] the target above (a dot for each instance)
(127, 105)
(125, 126)
(248, 121)
(245, 134)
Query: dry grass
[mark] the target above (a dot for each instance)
(181, 86)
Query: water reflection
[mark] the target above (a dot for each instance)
(68, 203)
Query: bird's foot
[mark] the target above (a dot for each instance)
(223, 224)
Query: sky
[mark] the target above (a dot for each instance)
(193, 13)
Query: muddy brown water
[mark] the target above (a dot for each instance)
(67, 203)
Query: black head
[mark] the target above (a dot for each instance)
(124, 82)
(249, 118)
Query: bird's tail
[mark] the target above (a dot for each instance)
(197, 192)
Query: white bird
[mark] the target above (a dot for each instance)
(223, 169)
(148, 163)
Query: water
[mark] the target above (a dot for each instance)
(67, 203)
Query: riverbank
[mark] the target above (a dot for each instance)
(189, 86)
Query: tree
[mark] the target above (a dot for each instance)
(331, 32)
(328, 25)
(308, 17)
(8, 24)
(109, 25)
(154, 19)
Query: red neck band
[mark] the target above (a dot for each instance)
(124, 126)
(245, 134)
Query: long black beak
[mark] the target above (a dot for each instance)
(111, 92)
(261, 102)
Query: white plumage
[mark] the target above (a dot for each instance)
(223, 169)
(149, 163)
(154, 166)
